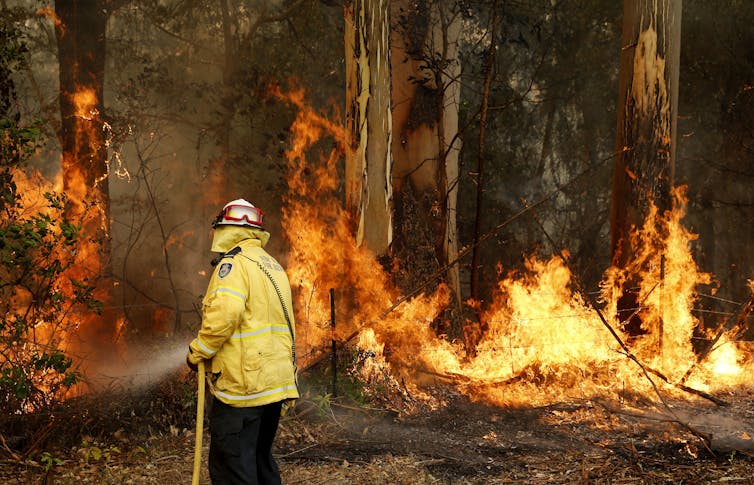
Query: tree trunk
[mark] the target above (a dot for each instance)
(647, 111)
(368, 170)
(226, 109)
(80, 30)
(426, 93)
(473, 334)
(488, 74)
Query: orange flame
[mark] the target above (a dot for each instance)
(85, 101)
(543, 343)
(79, 332)
(49, 12)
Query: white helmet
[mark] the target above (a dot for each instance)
(239, 212)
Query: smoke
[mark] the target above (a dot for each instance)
(728, 430)
(144, 368)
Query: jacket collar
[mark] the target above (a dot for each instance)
(226, 238)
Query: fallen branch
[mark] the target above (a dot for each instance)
(7, 449)
(646, 370)
(25, 463)
(686, 388)
(39, 437)
(706, 437)
(447, 376)
(299, 450)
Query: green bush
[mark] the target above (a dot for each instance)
(36, 249)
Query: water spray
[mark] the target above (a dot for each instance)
(139, 372)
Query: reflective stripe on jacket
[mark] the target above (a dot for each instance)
(244, 331)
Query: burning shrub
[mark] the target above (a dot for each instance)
(36, 248)
(34, 372)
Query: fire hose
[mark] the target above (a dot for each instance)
(199, 423)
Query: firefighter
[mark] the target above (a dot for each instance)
(247, 342)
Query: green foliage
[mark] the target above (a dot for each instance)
(48, 461)
(35, 306)
(322, 402)
(349, 387)
(36, 249)
(96, 452)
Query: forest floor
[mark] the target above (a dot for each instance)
(462, 442)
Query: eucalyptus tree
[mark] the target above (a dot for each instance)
(80, 28)
(646, 131)
(36, 370)
(369, 161)
(426, 81)
(402, 101)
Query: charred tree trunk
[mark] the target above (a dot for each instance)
(226, 109)
(647, 111)
(473, 338)
(426, 93)
(369, 164)
(80, 30)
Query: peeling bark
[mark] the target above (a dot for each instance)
(647, 111)
(368, 169)
(402, 96)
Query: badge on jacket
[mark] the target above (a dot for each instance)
(224, 270)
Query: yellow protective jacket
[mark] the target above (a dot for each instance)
(244, 333)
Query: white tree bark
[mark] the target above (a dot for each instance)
(369, 163)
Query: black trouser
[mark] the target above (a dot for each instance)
(240, 450)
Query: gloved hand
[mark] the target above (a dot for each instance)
(190, 364)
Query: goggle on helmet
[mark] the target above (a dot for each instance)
(239, 213)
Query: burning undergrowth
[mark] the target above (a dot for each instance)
(544, 341)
